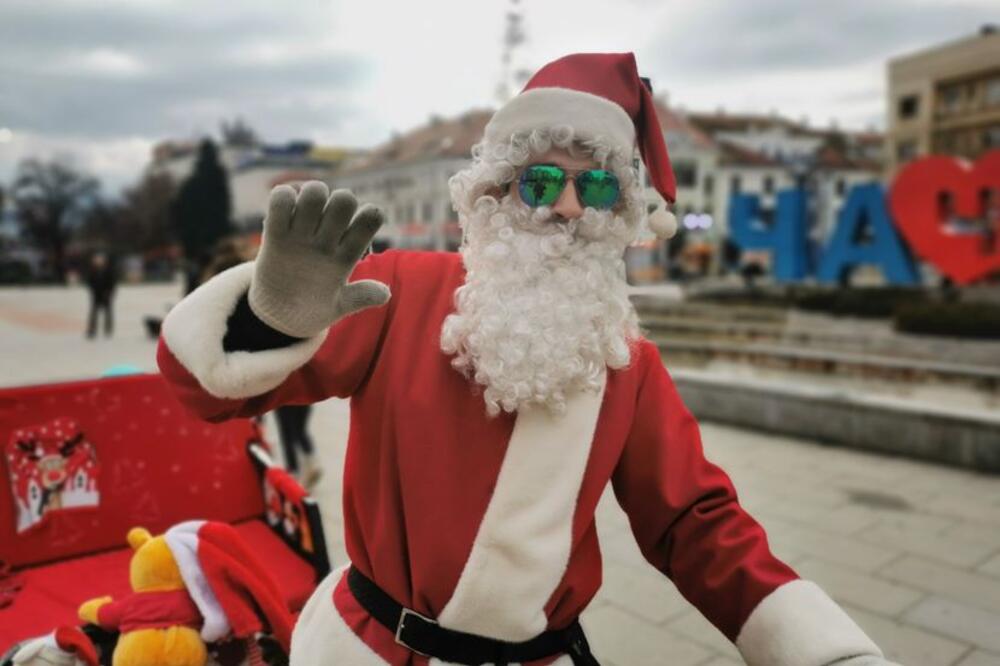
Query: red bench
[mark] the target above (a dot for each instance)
(84, 462)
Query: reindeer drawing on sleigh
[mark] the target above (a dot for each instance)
(52, 467)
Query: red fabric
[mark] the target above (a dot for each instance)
(615, 77)
(244, 587)
(158, 466)
(422, 454)
(53, 592)
(150, 610)
(74, 641)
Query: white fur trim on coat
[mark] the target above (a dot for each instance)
(182, 540)
(322, 637)
(194, 328)
(523, 545)
(799, 625)
(590, 117)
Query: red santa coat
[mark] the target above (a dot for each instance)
(487, 524)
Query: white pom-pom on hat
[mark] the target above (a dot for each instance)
(663, 223)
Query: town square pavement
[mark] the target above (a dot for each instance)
(911, 550)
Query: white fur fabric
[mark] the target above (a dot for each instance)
(194, 328)
(799, 625)
(322, 637)
(182, 540)
(522, 548)
(589, 115)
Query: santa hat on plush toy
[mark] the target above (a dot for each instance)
(67, 646)
(598, 95)
(233, 591)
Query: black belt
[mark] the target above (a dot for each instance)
(428, 638)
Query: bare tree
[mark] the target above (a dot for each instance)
(139, 221)
(50, 198)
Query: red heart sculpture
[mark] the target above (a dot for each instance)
(915, 198)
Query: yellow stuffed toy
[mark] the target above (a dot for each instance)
(159, 621)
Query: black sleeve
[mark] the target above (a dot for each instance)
(245, 332)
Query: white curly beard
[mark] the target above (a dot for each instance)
(544, 308)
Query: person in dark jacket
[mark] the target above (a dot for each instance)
(101, 280)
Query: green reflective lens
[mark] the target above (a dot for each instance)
(541, 185)
(598, 188)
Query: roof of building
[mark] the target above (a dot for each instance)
(721, 121)
(732, 154)
(676, 121)
(452, 137)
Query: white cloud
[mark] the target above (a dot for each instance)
(117, 162)
(105, 61)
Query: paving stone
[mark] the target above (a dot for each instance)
(620, 638)
(972, 588)
(957, 552)
(827, 547)
(907, 645)
(843, 521)
(642, 591)
(991, 566)
(980, 658)
(864, 590)
(973, 625)
(722, 661)
(695, 626)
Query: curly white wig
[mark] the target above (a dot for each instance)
(543, 311)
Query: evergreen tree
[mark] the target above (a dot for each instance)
(201, 212)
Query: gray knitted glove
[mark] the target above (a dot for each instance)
(311, 245)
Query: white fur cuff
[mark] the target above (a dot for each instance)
(194, 329)
(799, 625)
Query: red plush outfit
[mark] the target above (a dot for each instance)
(487, 524)
(150, 610)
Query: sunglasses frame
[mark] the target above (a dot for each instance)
(569, 174)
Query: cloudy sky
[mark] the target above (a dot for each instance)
(99, 81)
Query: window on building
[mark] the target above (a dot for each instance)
(951, 99)
(735, 184)
(709, 183)
(991, 137)
(428, 211)
(906, 150)
(993, 91)
(686, 174)
(768, 184)
(909, 106)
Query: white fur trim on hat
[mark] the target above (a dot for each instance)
(182, 540)
(799, 625)
(663, 223)
(590, 116)
(195, 327)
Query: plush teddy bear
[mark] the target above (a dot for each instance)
(159, 622)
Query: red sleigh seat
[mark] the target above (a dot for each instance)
(84, 462)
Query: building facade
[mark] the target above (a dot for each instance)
(408, 178)
(945, 100)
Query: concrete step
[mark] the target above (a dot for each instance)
(816, 334)
(829, 362)
(949, 435)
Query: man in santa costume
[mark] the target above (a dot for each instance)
(494, 395)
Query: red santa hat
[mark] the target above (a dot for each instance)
(233, 591)
(75, 642)
(600, 95)
(65, 645)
